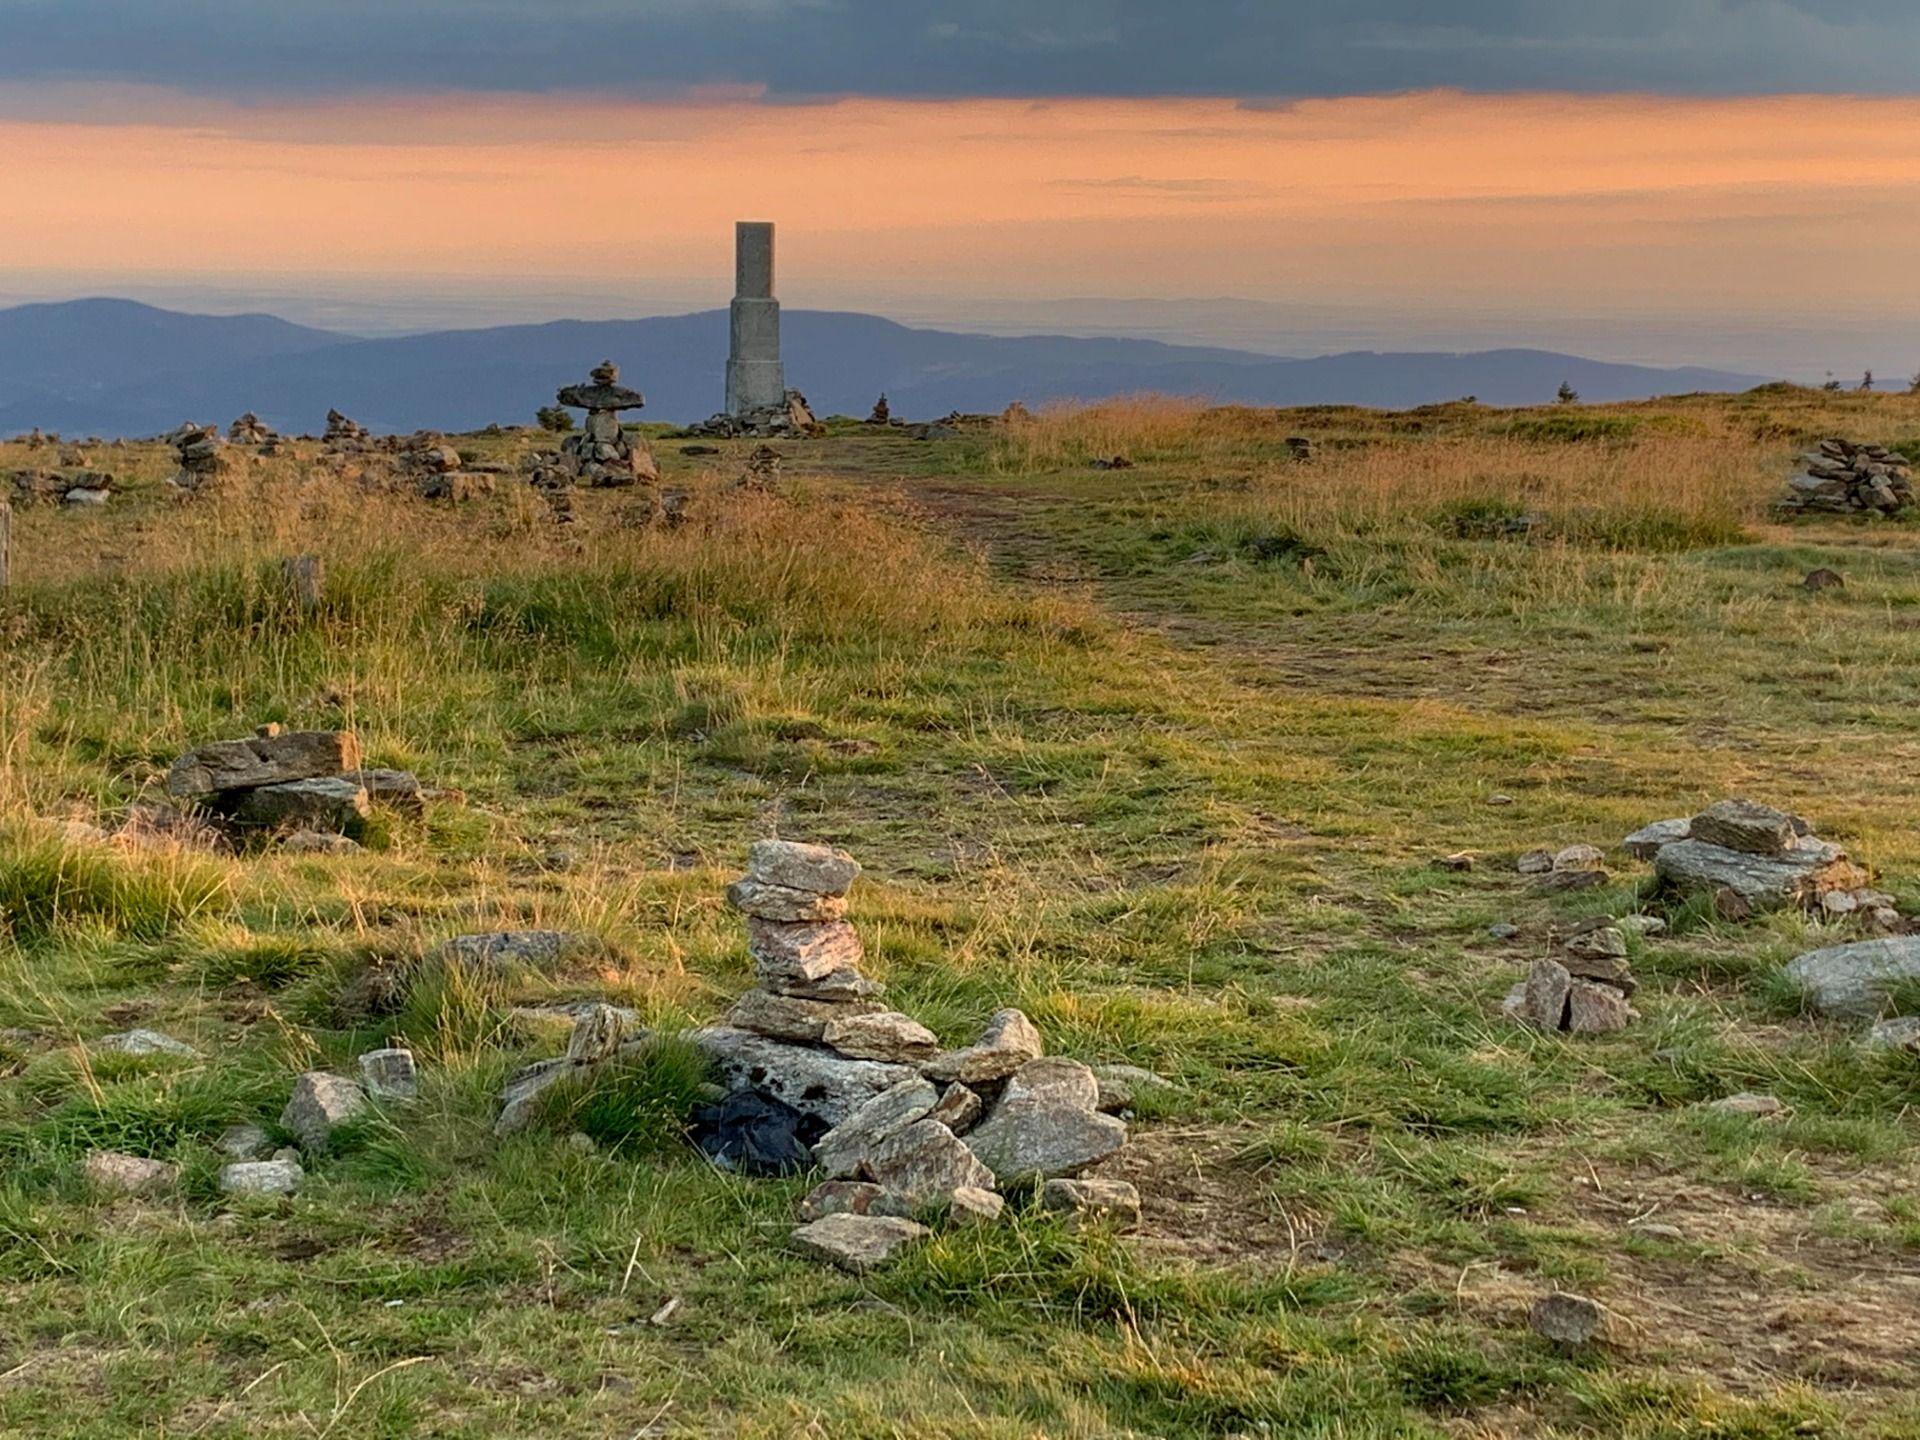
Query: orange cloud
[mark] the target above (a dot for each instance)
(1532, 200)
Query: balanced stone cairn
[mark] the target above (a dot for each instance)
(250, 430)
(1583, 989)
(603, 455)
(915, 1132)
(882, 412)
(1843, 478)
(1752, 858)
(762, 472)
(344, 434)
(202, 456)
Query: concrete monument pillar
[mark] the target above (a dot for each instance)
(755, 378)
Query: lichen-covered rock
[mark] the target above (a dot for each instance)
(520, 1097)
(839, 1197)
(1597, 1009)
(119, 1173)
(146, 1042)
(789, 1017)
(1009, 1041)
(880, 1035)
(959, 1109)
(543, 952)
(390, 1075)
(814, 1082)
(783, 903)
(262, 1177)
(926, 1163)
(328, 803)
(858, 1242)
(1798, 877)
(1744, 826)
(843, 1150)
(320, 1104)
(974, 1205)
(259, 760)
(1544, 995)
(795, 866)
(1856, 980)
(1566, 1319)
(1645, 843)
(787, 953)
(1045, 1125)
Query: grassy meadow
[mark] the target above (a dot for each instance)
(1164, 755)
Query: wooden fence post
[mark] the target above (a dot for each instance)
(6, 545)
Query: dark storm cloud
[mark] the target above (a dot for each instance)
(801, 48)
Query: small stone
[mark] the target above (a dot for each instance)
(973, 1205)
(1535, 862)
(1569, 881)
(839, 1197)
(1644, 926)
(1882, 919)
(293, 755)
(1653, 1230)
(1093, 1200)
(1459, 861)
(545, 952)
(243, 1142)
(1644, 844)
(1597, 1009)
(262, 1177)
(1902, 1033)
(1579, 857)
(1544, 995)
(858, 1242)
(145, 1042)
(779, 902)
(320, 1104)
(959, 1108)
(1758, 1107)
(925, 1163)
(520, 1097)
(111, 1170)
(1503, 931)
(1858, 979)
(1566, 1319)
(1838, 902)
(1500, 800)
(1045, 1125)
(390, 1075)
(1009, 1041)
(1601, 942)
(880, 1035)
(598, 1033)
(1744, 826)
(794, 866)
(843, 1150)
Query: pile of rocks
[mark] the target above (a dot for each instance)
(301, 783)
(791, 419)
(438, 470)
(249, 429)
(1843, 478)
(603, 454)
(913, 1132)
(1573, 867)
(1300, 448)
(344, 435)
(202, 456)
(85, 487)
(1583, 988)
(882, 412)
(1752, 858)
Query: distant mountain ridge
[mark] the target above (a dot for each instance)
(117, 367)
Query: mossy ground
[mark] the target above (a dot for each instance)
(1162, 755)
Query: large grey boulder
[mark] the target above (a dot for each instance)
(925, 1163)
(1856, 980)
(818, 868)
(1045, 1125)
(1009, 1041)
(331, 803)
(321, 1103)
(843, 1150)
(267, 759)
(1797, 877)
(814, 1082)
(858, 1242)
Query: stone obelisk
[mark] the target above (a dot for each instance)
(755, 378)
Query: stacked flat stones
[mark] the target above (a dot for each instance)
(202, 456)
(1583, 988)
(73, 487)
(763, 470)
(791, 419)
(603, 454)
(1842, 478)
(1752, 858)
(249, 429)
(294, 781)
(918, 1133)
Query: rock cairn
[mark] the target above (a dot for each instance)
(602, 454)
(1300, 447)
(250, 430)
(1842, 478)
(1752, 858)
(791, 419)
(84, 487)
(344, 435)
(202, 456)
(437, 470)
(913, 1133)
(882, 412)
(295, 782)
(1583, 988)
(763, 470)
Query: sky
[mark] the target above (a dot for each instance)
(1730, 182)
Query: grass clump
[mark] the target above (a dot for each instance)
(636, 1105)
(49, 884)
